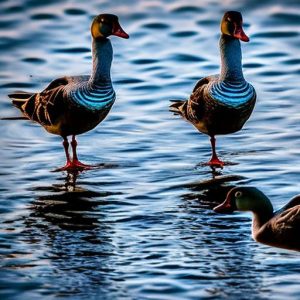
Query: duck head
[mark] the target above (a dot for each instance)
(105, 25)
(244, 199)
(232, 25)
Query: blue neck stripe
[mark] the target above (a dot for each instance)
(231, 94)
(94, 98)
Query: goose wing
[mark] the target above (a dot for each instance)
(193, 108)
(44, 107)
(287, 220)
(293, 202)
(286, 228)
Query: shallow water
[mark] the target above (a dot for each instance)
(142, 226)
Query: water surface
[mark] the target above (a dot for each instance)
(142, 226)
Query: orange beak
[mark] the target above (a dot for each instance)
(118, 31)
(224, 207)
(240, 34)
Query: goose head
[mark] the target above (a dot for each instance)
(105, 25)
(232, 25)
(245, 199)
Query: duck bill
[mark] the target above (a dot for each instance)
(240, 34)
(118, 31)
(225, 207)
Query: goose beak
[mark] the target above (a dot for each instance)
(118, 31)
(225, 207)
(240, 34)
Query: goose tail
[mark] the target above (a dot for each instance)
(14, 118)
(177, 107)
(19, 98)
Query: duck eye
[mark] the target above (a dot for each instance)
(229, 19)
(238, 194)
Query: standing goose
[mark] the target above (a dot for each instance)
(279, 229)
(76, 104)
(221, 104)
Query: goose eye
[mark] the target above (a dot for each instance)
(238, 194)
(229, 19)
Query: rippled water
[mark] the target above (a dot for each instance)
(141, 227)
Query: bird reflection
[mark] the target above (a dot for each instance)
(216, 238)
(210, 192)
(70, 226)
(68, 205)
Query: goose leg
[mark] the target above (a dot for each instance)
(214, 161)
(68, 164)
(76, 164)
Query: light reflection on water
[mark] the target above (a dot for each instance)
(143, 226)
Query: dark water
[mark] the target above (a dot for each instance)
(142, 226)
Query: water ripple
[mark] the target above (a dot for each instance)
(74, 11)
(141, 225)
(180, 57)
(43, 16)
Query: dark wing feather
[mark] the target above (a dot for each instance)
(177, 106)
(293, 202)
(283, 230)
(190, 109)
(19, 98)
(201, 82)
(195, 108)
(46, 107)
(56, 83)
(20, 95)
(287, 223)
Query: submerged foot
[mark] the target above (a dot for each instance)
(75, 165)
(79, 165)
(215, 163)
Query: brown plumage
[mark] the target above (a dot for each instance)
(211, 116)
(221, 104)
(55, 111)
(278, 229)
(76, 104)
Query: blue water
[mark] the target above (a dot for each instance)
(142, 226)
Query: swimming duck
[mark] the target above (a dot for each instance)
(279, 229)
(221, 104)
(72, 105)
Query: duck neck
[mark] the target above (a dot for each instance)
(102, 54)
(231, 59)
(262, 214)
